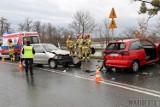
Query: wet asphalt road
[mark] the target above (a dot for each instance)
(148, 76)
(53, 89)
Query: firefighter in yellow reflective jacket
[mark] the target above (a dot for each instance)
(79, 45)
(11, 50)
(70, 45)
(89, 42)
(84, 47)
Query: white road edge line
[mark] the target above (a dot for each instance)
(111, 83)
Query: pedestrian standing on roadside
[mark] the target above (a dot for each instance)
(28, 52)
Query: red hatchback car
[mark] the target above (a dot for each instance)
(131, 54)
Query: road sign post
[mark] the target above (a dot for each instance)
(113, 23)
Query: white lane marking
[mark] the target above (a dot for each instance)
(108, 82)
(140, 90)
(132, 86)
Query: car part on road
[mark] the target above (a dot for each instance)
(65, 65)
(76, 62)
(78, 65)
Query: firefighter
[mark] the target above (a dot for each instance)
(79, 45)
(11, 50)
(89, 41)
(28, 52)
(70, 45)
(84, 47)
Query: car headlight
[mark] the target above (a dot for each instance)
(60, 57)
(55, 57)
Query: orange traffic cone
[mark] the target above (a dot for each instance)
(3, 60)
(97, 78)
(20, 66)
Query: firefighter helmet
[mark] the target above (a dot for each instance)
(84, 35)
(9, 40)
(69, 36)
(78, 35)
(88, 35)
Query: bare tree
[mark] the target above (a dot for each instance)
(143, 26)
(28, 24)
(83, 23)
(128, 32)
(43, 32)
(100, 34)
(3, 21)
(7, 27)
(107, 31)
(21, 27)
(49, 33)
(157, 27)
(103, 33)
(37, 27)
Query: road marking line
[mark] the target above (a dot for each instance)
(132, 86)
(108, 82)
(140, 90)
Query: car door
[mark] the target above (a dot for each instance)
(150, 50)
(40, 56)
(137, 52)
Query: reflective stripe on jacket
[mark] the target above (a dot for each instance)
(70, 43)
(79, 42)
(84, 43)
(11, 48)
(89, 41)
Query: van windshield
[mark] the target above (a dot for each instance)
(116, 46)
(32, 39)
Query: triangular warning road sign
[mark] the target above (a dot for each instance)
(112, 14)
(112, 24)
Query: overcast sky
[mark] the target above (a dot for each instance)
(60, 12)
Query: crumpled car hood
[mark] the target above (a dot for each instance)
(62, 52)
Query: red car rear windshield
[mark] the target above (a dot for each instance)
(116, 46)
